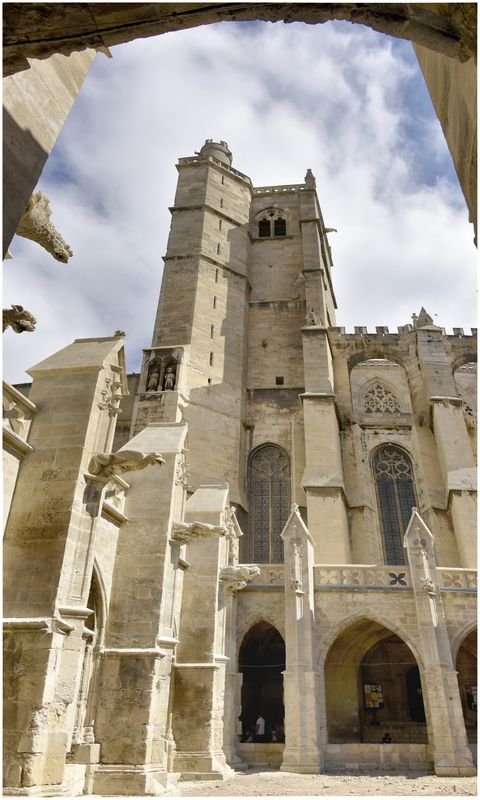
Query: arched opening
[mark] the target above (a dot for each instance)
(467, 681)
(415, 695)
(262, 661)
(93, 630)
(373, 687)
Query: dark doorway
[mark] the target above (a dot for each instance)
(262, 661)
(414, 695)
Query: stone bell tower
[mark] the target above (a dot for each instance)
(246, 268)
(198, 353)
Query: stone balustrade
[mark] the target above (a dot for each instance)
(367, 576)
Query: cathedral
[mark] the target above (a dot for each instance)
(274, 520)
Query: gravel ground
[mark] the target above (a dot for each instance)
(263, 783)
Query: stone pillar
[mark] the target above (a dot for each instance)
(48, 559)
(459, 471)
(443, 707)
(200, 664)
(134, 690)
(451, 437)
(233, 579)
(323, 477)
(304, 731)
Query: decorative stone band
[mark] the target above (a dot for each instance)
(236, 578)
(360, 576)
(185, 531)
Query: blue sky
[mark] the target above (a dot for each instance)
(338, 98)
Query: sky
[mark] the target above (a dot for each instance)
(340, 99)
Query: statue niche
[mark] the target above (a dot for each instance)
(162, 375)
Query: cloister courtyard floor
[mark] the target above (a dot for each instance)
(263, 783)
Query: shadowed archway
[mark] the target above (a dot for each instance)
(373, 687)
(262, 661)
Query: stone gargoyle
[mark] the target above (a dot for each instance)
(108, 464)
(184, 531)
(236, 577)
(19, 319)
(35, 225)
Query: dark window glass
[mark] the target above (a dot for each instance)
(393, 474)
(279, 227)
(269, 503)
(264, 227)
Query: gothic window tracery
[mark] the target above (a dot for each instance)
(271, 223)
(379, 399)
(269, 489)
(394, 481)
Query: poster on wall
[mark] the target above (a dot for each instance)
(471, 692)
(373, 695)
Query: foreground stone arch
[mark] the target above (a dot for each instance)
(38, 30)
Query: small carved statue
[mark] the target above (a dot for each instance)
(108, 464)
(169, 380)
(35, 225)
(153, 381)
(19, 319)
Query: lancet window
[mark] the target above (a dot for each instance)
(379, 399)
(394, 480)
(269, 489)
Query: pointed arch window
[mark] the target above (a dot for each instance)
(269, 490)
(394, 481)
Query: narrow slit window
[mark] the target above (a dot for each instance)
(214, 302)
(221, 202)
(219, 224)
(218, 249)
(216, 276)
(212, 329)
(211, 359)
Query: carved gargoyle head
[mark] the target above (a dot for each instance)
(19, 319)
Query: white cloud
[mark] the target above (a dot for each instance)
(285, 97)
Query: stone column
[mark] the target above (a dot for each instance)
(200, 664)
(443, 708)
(323, 477)
(304, 731)
(133, 708)
(451, 437)
(48, 555)
(233, 579)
